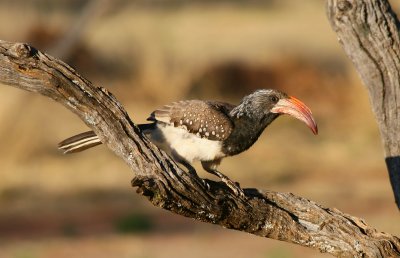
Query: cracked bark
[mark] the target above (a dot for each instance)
(281, 216)
(369, 33)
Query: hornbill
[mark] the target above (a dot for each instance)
(208, 131)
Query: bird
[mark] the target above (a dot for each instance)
(208, 131)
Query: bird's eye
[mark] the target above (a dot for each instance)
(274, 99)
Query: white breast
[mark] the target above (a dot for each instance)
(191, 147)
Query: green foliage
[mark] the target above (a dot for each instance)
(134, 223)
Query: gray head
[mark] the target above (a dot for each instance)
(258, 103)
(265, 105)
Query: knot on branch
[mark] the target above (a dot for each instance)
(344, 5)
(144, 185)
(22, 50)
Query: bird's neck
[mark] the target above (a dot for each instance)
(247, 129)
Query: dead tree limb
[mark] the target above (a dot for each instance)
(369, 33)
(281, 216)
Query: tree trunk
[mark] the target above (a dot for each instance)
(369, 33)
(281, 216)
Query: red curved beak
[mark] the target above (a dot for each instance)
(297, 109)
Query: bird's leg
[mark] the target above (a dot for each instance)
(211, 167)
(193, 172)
(189, 167)
(178, 158)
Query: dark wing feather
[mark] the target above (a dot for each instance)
(207, 119)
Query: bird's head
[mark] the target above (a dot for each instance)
(267, 104)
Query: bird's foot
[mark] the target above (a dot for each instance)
(235, 187)
(193, 172)
(206, 185)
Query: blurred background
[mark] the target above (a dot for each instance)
(151, 52)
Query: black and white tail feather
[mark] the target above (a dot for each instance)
(86, 140)
(79, 142)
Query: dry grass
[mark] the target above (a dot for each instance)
(166, 49)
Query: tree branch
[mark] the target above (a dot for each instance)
(369, 33)
(281, 216)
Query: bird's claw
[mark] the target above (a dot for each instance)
(235, 187)
(206, 185)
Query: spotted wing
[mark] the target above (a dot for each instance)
(206, 119)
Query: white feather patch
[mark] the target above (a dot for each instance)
(187, 145)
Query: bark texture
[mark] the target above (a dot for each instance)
(369, 33)
(281, 216)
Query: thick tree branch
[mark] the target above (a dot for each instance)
(369, 33)
(280, 216)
